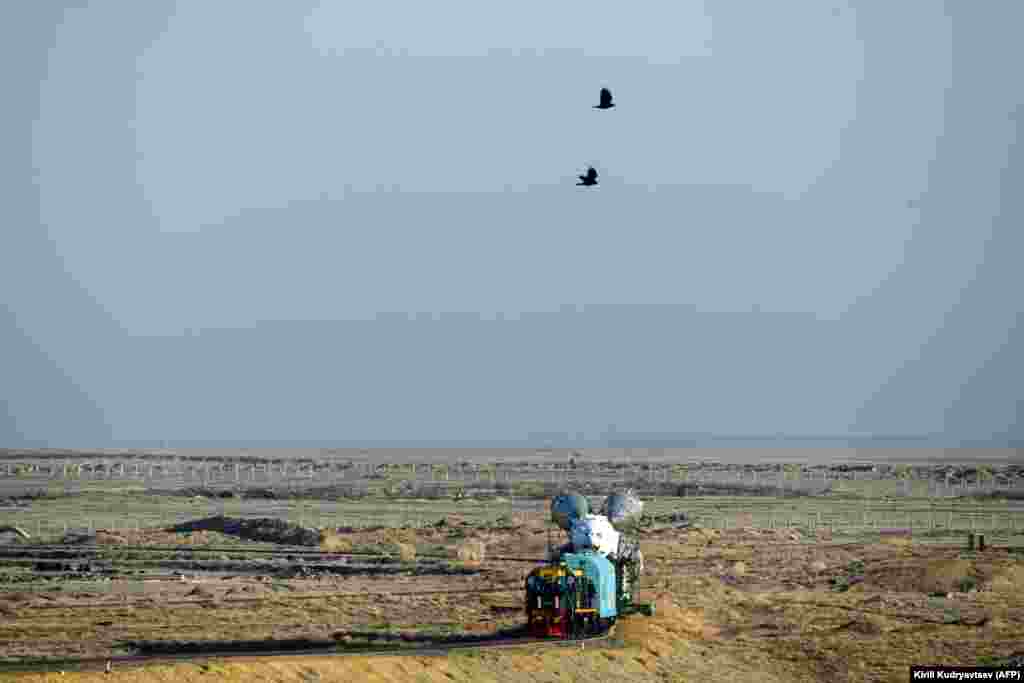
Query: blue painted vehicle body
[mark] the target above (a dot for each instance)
(601, 574)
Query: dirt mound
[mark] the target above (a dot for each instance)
(265, 529)
(948, 575)
(669, 618)
(939, 576)
(200, 492)
(12, 534)
(144, 537)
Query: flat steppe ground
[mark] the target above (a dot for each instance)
(741, 602)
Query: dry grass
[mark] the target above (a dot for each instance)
(1008, 580)
(704, 629)
(670, 618)
(406, 551)
(332, 541)
(897, 540)
(664, 657)
(737, 603)
(937, 576)
(471, 552)
(702, 536)
(120, 537)
(945, 575)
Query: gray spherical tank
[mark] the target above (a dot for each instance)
(623, 510)
(568, 507)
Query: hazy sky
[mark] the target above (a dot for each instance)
(208, 204)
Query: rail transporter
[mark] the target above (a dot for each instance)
(592, 580)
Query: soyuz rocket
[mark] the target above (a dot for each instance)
(605, 532)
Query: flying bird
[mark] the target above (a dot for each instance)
(590, 178)
(606, 100)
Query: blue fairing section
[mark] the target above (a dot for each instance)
(601, 573)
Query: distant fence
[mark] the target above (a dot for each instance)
(691, 479)
(877, 521)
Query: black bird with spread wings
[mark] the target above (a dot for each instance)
(590, 178)
(606, 100)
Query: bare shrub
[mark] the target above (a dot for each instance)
(1008, 580)
(406, 551)
(332, 541)
(470, 552)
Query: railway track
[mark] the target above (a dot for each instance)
(170, 562)
(70, 551)
(326, 649)
(227, 602)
